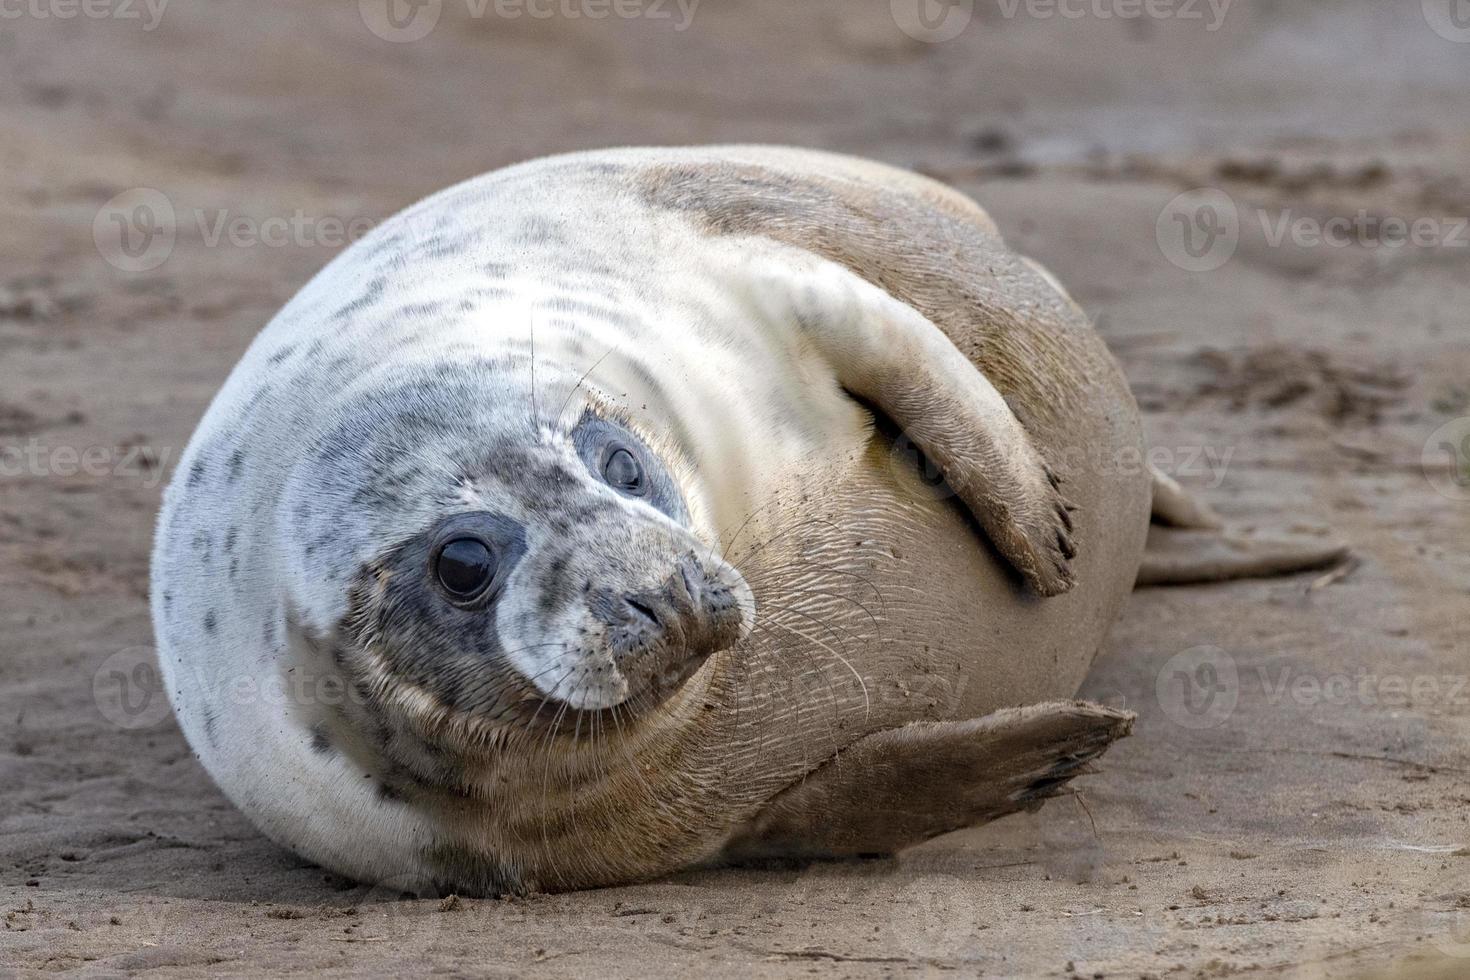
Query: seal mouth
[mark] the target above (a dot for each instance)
(555, 717)
(672, 679)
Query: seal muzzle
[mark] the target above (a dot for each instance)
(659, 637)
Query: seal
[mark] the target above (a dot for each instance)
(629, 511)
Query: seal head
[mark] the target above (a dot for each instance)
(528, 566)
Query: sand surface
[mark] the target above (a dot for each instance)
(1298, 785)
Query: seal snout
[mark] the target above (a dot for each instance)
(659, 637)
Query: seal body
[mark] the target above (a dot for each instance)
(759, 455)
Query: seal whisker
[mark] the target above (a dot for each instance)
(493, 679)
(759, 570)
(782, 531)
(535, 413)
(867, 703)
(583, 380)
(632, 762)
(769, 505)
(841, 634)
(754, 564)
(725, 554)
(813, 668)
(540, 673)
(545, 699)
(547, 696)
(831, 627)
(546, 774)
(807, 590)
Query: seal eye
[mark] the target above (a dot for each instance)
(466, 567)
(623, 473)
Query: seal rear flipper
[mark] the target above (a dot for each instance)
(1179, 557)
(901, 787)
(1188, 545)
(1176, 507)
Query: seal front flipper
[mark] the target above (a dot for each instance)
(901, 787)
(889, 355)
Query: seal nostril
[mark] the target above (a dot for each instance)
(693, 578)
(642, 609)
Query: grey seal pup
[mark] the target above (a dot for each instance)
(636, 510)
